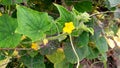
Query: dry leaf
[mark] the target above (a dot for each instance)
(110, 42)
(117, 40)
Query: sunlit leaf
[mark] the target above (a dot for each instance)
(8, 37)
(65, 15)
(32, 23)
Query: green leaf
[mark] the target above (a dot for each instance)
(2, 55)
(103, 57)
(70, 56)
(32, 53)
(84, 6)
(94, 53)
(113, 3)
(49, 64)
(69, 2)
(65, 15)
(36, 62)
(12, 2)
(83, 39)
(32, 23)
(77, 32)
(101, 45)
(57, 56)
(62, 64)
(53, 30)
(8, 37)
(114, 28)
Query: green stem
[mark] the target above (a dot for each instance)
(74, 52)
(105, 65)
(9, 8)
(56, 37)
(5, 8)
(49, 38)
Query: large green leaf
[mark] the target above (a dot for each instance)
(32, 23)
(101, 45)
(113, 3)
(83, 39)
(33, 62)
(70, 55)
(94, 53)
(8, 37)
(84, 6)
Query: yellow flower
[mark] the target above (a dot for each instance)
(0, 14)
(45, 41)
(69, 27)
(35, 46)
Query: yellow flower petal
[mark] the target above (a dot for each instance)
(45, 41)
(35, 46)
(69, 27)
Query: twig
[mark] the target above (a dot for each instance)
(103, 13)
